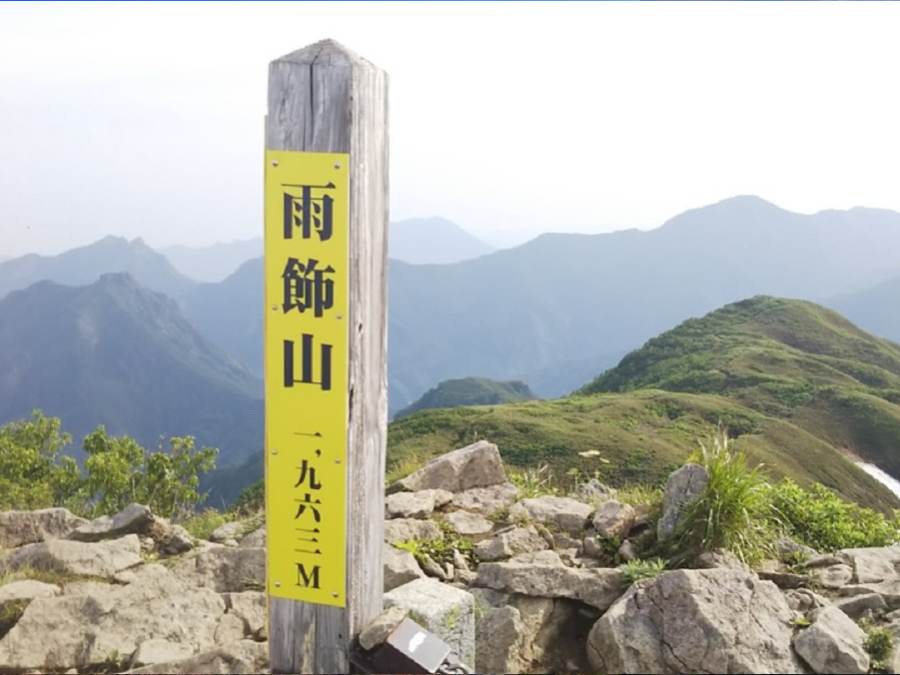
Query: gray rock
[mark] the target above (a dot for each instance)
(562, 512)
(245, 656)
(256, 539)
(250, 608)
(613, 519)
(834, 576)
(696, 621)
(858, 605)
(720, 558)
(376, 632)
(487, 500)
(469, 524)
(593, 492)
(563, 541)
(543, 576)
(833, 643)
(227, 569)
(476, 465)
(595, 547)
(159, 650)
(82, 631)
(446, 611)
(682, 488)
(173, 539)
(400, 567)
(804, 600)
(18, 528)
(872, 565)
(27, 589)
(510, 543)
(133, 519)
(100, 559)
(792, 551)
(409, 529)
(500, 634)
(785, 580)
(226, 532)
(627, 552)
(432, 569)
(459, 561)
(229, 630)
(419, 504)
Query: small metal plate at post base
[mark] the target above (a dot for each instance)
(411, 649)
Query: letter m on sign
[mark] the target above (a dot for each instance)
(307, 579)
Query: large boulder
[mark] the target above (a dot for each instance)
(103, 559)
(682, 488)
(18, 528)
(613, 519)
(409, 529)
(446, 611)
(476, 465)
(696, 621)
(469, 524)
(487, 500)
(86, 631)
(400, 567)
(510, 543)
(419, 504)
(133, 519)
(26, 589)
(544, 575)
(833, 643)
(227, 569)
(562, 512)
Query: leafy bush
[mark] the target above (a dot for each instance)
(635, 570)
(203, 524)
(821, 519)
(880, 646)
(117, 471)
(251, 500)
(734, 512)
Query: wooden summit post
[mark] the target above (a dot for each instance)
(326, 353)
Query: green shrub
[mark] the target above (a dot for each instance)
(880, 646)
(534, 482)
(203, 524)
(821, 519)
(635, 570)
(733, 512)
(251, 500)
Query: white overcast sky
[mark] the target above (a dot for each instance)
(510, 118)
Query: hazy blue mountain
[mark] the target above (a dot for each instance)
(114, 353)
(433, 240)
(876, 309)
(215, 262)
(84, 265)
(469, 391)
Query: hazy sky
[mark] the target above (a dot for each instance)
(510, 119)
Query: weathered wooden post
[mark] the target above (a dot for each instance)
(326, 344)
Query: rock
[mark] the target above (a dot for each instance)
(27, 589)
(476, 465)
(84, 630)
(256, 539)
(173, 539)
(101, 559)
(18, 528)
(564, 542)
(627, 552)
(245, 656)
(400, 567)
(792, 551)
(562, 512)
(544, 575)
(469, 524)
(157, 650)
(682, 487)
(227, 569)
(432, 569)
(613, 519)
(229, 630)
(804, 600)
(226, 532)
(508, 544)
(855, 607)
(833, 643)
(593, 492)
(719, 558)
(871, 565)
(376, 632)
(133, 519)
(446, 611)
(460, 562)
(419, 504)
(785, 579)
(487, 500)
(696, 621)
(596, 547)
(834, 576)
(408, 529)
(499, 638)
(250, 608)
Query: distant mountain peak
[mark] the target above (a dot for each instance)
(434, 240)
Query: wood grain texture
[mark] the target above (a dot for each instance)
(324, 98)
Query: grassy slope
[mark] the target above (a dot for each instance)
(796, 382)
(469, 391)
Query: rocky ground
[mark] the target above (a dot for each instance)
(513, 583)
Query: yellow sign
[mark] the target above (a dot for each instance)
(306, 342)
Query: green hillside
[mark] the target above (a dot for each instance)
(469, 391)
(796, 383)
